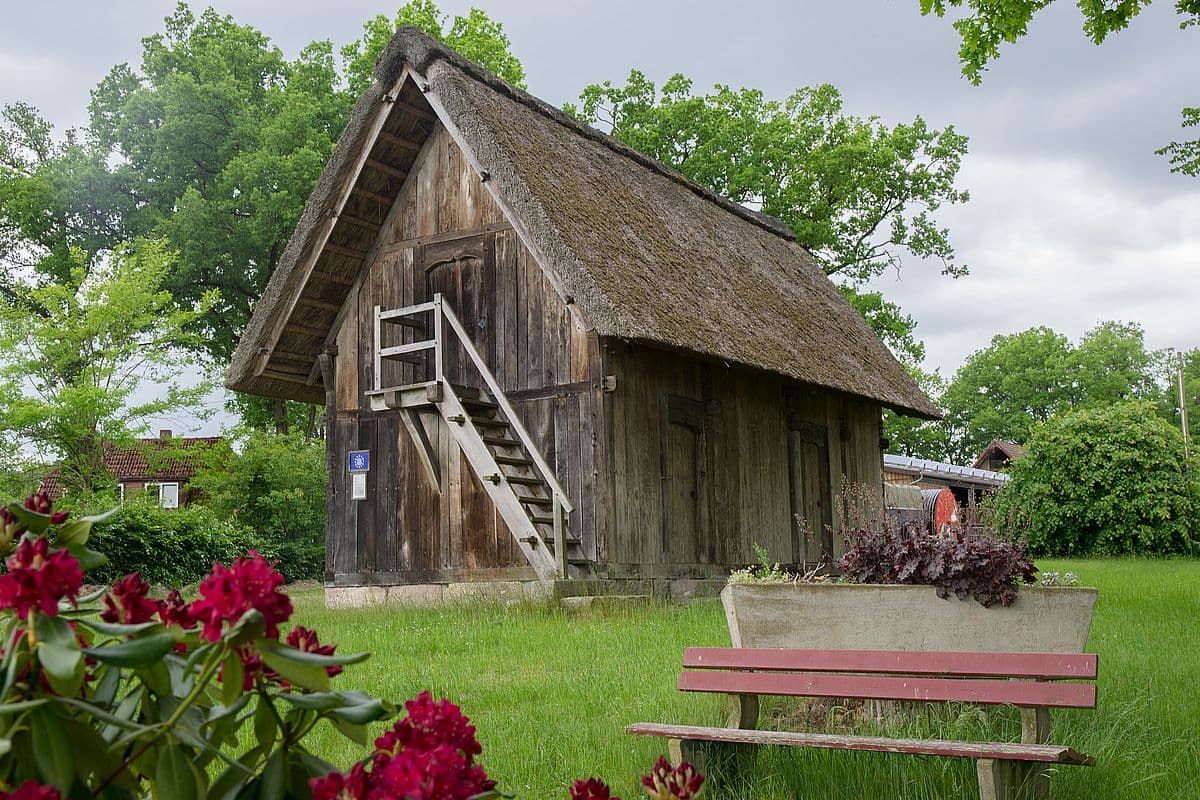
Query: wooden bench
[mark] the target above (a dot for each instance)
(1007, 770)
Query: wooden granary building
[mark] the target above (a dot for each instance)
(560, 357)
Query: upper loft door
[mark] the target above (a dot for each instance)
(460, 269)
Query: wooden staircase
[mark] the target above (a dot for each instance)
(516, 477)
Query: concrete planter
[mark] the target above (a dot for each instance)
(873, 617)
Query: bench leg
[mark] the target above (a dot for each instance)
(1012, 780)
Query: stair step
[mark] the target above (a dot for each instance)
(467, 393)
(525, 480)
(540, 520)
(529, 500)
(515, 461)
(411, 358)
(550, 541)
(487, 422)
(407, 322)
(500, 441)
(482, 405)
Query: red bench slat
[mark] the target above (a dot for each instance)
(1015, 665)
(932, 747)
(876, 687)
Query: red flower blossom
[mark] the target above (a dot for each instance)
(175, 611)
(39, 579)
(305, 640)
(440, 773)
(664, 783)
(591, 789)
(336, 786)
(129, 602)
(430, 724)
(40, 503)
(229, 592)
(32, 790)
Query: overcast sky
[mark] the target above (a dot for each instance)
(1072, 220)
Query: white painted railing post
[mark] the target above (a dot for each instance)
(378, 360)
(437, 337)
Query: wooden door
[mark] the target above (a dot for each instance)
(685, 481)
(458, 269)
(811, 494)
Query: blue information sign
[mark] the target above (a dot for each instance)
(360, 460)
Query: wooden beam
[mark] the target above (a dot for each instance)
(329, 277)
(372, 195)
(399, 141)
(416, 111)
(322, 304)
(290, 377)
(307, 330)
(342, 250)
(298, 357)
(360, 222)
(387, 169)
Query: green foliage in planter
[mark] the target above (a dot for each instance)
(278, 481)
(1110, 480)
(168, 546)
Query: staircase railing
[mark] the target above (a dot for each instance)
(443, 317)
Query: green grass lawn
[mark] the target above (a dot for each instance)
(551, 692)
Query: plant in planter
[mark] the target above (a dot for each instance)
(119, 695)
(895, 594)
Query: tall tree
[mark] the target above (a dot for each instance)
(212, 143)
(990, 23)
(74, 353)
(1022, 379)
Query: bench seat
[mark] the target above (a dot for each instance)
(1008, 751)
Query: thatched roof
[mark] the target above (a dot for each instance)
(646, 255)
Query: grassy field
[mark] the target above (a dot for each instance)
(551, 692)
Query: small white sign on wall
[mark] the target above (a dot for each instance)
(358, 486)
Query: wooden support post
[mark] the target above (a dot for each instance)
(560, 537)
(1010, 780)
(1035, 729)
(438, 342)
(377, 363)
(743, 711)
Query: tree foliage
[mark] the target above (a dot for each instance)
(74, 353)
(1004, 390)
(276, 484)
(989, 24)
(212, 142)
(1105, 480)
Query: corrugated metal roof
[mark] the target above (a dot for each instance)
(943, 471)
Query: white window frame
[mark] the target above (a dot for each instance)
(162, 497)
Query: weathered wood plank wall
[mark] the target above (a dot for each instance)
(670, 409)
(447, 235)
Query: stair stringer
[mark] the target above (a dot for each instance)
(482, 461)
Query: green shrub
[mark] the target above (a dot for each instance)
(167, 546)
(275, 485)
(1111, 480)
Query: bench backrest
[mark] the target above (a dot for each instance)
(894, 675)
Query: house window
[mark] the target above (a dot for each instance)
(167, 494)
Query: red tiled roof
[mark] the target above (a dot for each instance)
(139, 462)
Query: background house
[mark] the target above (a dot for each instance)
(163, 466)
(543, 354)
(998, 455)
(969, 484)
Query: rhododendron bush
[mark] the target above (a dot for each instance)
(122, 695)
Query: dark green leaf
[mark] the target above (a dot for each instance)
(229, 783)
(141, 652)
(63, 666)
(365, 712)
(232, 676)
(88, 559)
(317, 701)
(35, 522)
(157, 678)
(264, 723)
(77, 531)
(55, 758)
(353, 732)
(105, 692)
(313, 659)
(314, 766)
(117, 629)
(8, 709)
(298, 673)
(274, 777)
(251, 626)
(174, 775)
(121, 718)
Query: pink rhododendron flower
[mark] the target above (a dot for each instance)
(441, 773)
(31, 790)
(429, 724)
(664, 783)
(591, 789)
(40, 503)
(305, 640)
(229, 592)
(38, 578)
(129, 602)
